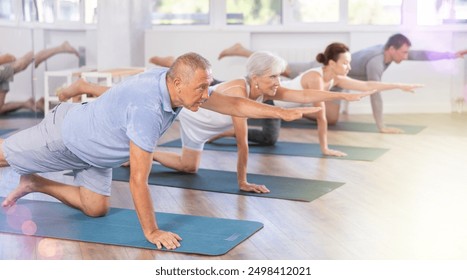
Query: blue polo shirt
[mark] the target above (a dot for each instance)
(137, 109)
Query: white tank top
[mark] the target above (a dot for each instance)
(296, 83)
(202, 125)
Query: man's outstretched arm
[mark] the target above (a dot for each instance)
(246, 108)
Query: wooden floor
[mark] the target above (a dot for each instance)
(411, 203)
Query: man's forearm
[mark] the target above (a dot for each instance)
(143, 206)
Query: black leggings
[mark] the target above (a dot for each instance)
(269, 133)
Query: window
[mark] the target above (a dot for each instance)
(310, 11)
(6, 10)
(90, 11)
(375, 12)
(434, 12)
(51, 11)
(254, 12)
(167, 12)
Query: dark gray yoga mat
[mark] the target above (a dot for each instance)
(343, 126)
(291, 149)
(201, 235)
(226, 182)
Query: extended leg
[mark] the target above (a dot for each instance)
(235, 50)
(43, 55)
(165, 61)
(79, 87)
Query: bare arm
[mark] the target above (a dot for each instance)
(243, 107)
(353, 84)
(315, 81)
(241, 135)
(140, 166)
(313, 95)
(461, 53)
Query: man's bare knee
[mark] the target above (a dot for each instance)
(94, 204)
(96, 210)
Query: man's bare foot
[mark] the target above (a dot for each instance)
(66, 47)
(235, 50)
(165, 61)
(26, 186)
(23, 62)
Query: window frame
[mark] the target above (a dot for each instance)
(218, 22)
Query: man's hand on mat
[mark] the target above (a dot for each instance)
(166, 239)
(334, 153)
(248, 187)
(392, 130)
(358, 96)
(291, 114)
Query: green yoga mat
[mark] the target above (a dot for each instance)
(226, 182)
(22, 114)
(292, 149)
(201, 235)
(344, 126)
(6, 131)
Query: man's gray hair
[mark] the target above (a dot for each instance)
(186, 65)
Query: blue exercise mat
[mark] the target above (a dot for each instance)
(343, 126)
(226, 182)
(6, 131)
(201, 235)
(229, 144)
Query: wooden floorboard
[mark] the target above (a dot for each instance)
(407, 204)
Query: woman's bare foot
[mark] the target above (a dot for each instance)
(23, 62)
(26, 186)
(29, 104)
(66, 47)
(40, 105)
(64, 93)
(235, 50)
(165, 61)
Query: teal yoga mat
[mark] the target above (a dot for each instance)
(22, 114)
(6, 131)
(226, 182)
(344, 126)
(292, 149)
(201, 235)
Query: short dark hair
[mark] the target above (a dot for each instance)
(397, 41)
